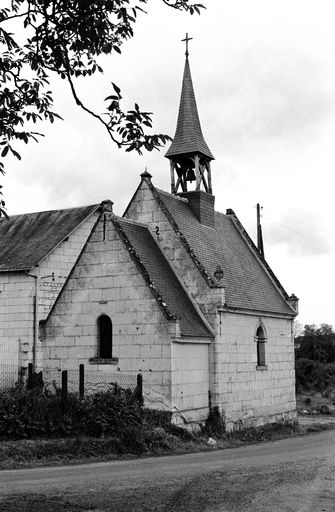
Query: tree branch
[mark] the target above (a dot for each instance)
(81, 105)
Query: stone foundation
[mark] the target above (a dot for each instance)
(284, 417)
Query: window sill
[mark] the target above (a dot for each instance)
(100, 360)
(261, 367)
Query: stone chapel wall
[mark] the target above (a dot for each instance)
(144, 208)
(190, 379)
(250, 395)
(17, 293)
(18, 290)
(107, 281)
(55, 268)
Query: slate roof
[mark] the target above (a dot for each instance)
(188, 137)
(246, 280)
(164, 280)
(26, 239)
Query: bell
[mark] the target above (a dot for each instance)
(190, 176)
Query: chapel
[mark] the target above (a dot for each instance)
(173, 290)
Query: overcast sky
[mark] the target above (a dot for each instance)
(264, 78)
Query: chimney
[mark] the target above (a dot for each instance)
(202, 206)
(294, 301)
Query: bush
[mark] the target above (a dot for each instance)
(313, 375)
(215, 423)
(28, 413)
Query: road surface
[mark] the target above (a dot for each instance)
(290, 475)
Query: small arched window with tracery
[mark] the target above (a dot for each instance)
(261, 340)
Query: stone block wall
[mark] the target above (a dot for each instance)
(190, 380)
(18, 291)
(54, 269)
(107, 281)
(246, 393)
(144, 208)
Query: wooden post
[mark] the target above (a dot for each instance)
(140, 388)
(81, 380)
(197, 172)
(173, 186)
(64, 383)
(30, 375)
(209, 176)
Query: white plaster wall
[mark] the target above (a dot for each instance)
(240, 389)
(107, 281)
(190, 379)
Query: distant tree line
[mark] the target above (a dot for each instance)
(315, 358)
(316, 343)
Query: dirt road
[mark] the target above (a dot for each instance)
(291, 475)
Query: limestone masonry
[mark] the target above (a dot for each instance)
(173, 290)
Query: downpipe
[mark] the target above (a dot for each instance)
(36, 301)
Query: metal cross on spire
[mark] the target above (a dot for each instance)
(187, 39)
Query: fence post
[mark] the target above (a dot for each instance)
(64, 383)
(140, 388)
(81, 380)
(30, 375)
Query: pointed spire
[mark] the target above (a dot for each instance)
(188, 138)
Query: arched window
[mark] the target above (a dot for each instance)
(105, 337)
(261, 340)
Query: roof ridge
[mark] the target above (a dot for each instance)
(174, 196)
(258, 256)
(30, 238)
(133, 254)
(181, 236)
(131, 221)
(55, 210)
(154, 265)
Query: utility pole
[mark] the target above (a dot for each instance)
(260, 245)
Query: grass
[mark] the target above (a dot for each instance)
(79, 450)
(30, 438)
(312, 401)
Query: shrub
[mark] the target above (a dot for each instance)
(28, 413)
(215, 423)
(313, 375)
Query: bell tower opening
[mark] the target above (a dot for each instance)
(186, 169)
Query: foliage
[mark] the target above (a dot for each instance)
(215, 422)
(27, 413)
(66, 37)
(313, 375)
(316, 343)
(265, 433)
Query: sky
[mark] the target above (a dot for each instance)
(264, 79)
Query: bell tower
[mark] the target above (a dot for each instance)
(189, 155)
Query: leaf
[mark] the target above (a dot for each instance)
(116, 89)
(5, 151)
(112, 97)
(15, 153)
